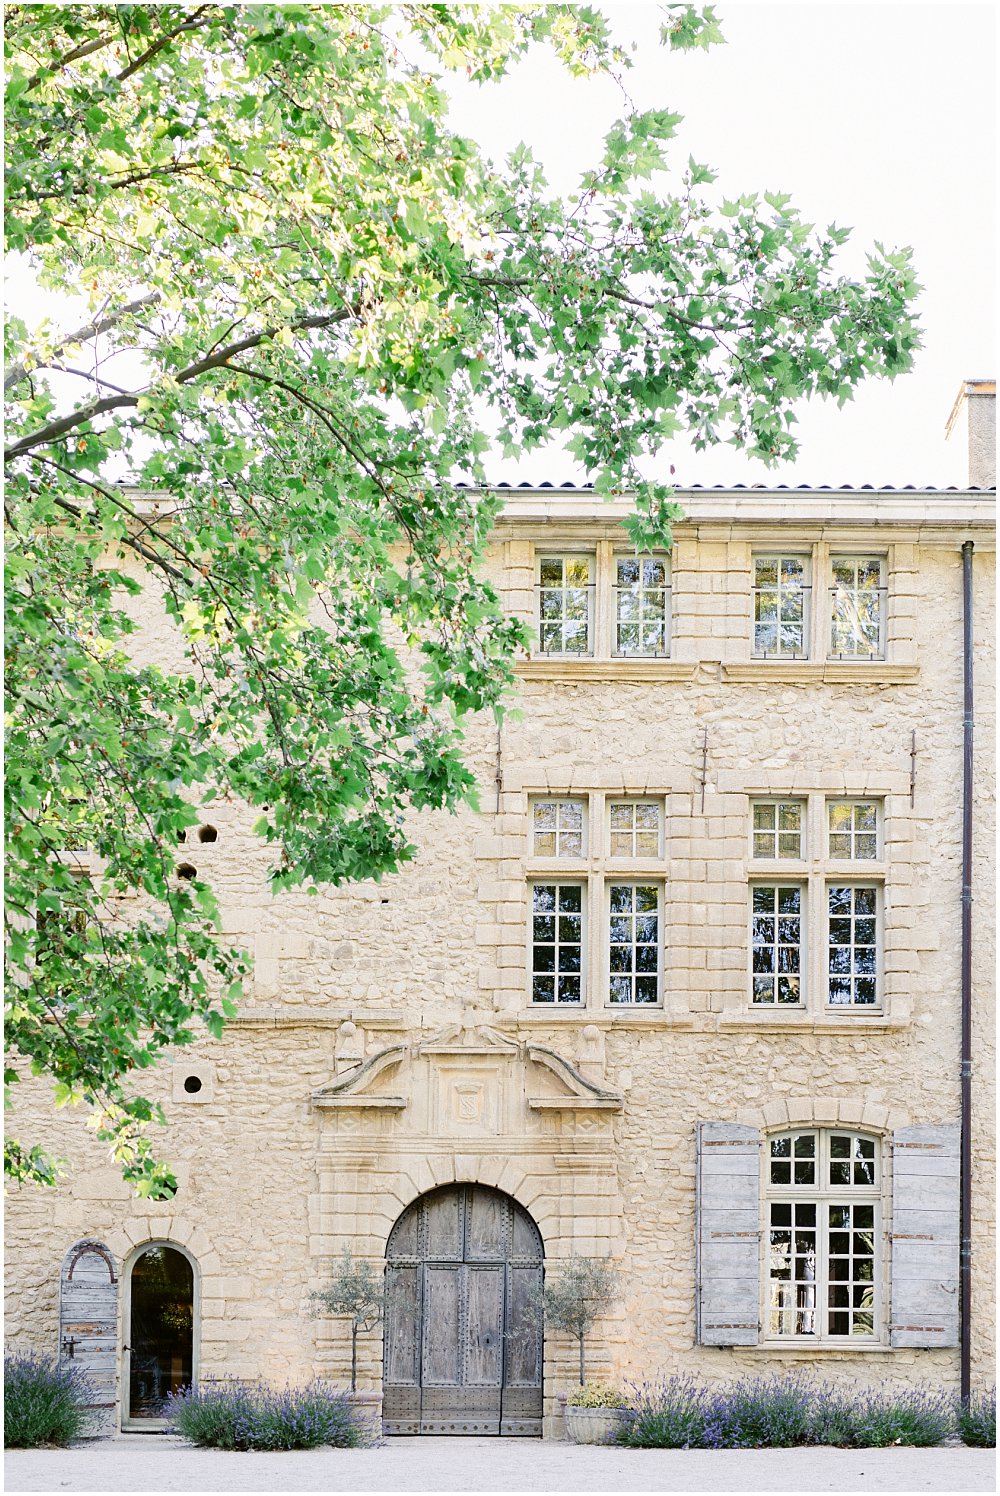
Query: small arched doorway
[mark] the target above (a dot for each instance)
(463, 1335)
(159, 1331)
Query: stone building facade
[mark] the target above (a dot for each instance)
(684, 991)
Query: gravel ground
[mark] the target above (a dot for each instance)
(150, 1463)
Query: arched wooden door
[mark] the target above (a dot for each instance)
(463, 1335)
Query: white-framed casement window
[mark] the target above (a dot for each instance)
(857, 607)
(776, 944)
(781, 591)
(642, 605)
(855, 830)
(558, 828)
(823, 1243)
(778, 829)
(634, 935)
(635, 828)
(853, 945)
(557, 943)
(565, 586)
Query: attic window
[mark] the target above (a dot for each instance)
(207, 834)
(186, 871)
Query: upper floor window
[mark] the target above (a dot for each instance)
(854, 830)
(635, 828)
(853, 945)
(857, 622)
(558, 828)
(822, 1235)
(642, 605)
(776, 944)
(778, 829)
(780, 606)
(557, 942)
(565, 605)
(634, 943)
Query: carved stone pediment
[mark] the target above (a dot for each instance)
(467, 1055)
(351, 1088)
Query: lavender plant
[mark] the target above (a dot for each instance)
(760, 1413)
(976, 1419)
(43, 1403)
(231, 1415)
(665, 1415)
(867, 1419)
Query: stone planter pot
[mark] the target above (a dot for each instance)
(591, 1425)
(369, 1406)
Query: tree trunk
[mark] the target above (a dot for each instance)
(583, 1370)
(354, 1355)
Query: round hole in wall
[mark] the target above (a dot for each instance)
(182, 836)
(186, 871)
(192, 1084)
(207, 834)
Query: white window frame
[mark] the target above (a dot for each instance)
(663, 559)
(565, 557)
(773, 1005)
(854, 882)
(541, 1004)
(778, 801)
(823, 1195)
(851, 594)
(855, 802)
(619, 859)
(781, 558)
(559, 856)
(633, 1003)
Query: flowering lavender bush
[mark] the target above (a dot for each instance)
(761, 1413)
(230, 1415)
(779, 1412)
(665, 1415)
(977, 1420)
(43, 1403)
(865, 1419)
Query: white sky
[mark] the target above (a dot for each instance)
(877, 117)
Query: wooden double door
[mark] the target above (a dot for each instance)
(463, 1330)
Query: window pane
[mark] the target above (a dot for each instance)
(780, 605)
(556, 942)
(633, 943)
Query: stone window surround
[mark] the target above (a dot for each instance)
(900, 828)
(711, 613)
(818, 558)
(815, 872)
(603, 556)
(596, 871)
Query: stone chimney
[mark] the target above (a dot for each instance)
(974, 413)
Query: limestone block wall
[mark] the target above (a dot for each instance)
(273, 1187)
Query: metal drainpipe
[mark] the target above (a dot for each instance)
(965, 1220)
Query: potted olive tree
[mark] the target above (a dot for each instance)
(585, 1288)
(356, 1293)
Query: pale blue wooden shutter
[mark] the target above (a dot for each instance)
(88, 1327)
(925, 1224)
(728, 1234)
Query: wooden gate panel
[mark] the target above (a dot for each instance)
(88, 1327)
(443, 1226)
(402, 1324)
(442, 1318)
(484, 1350)
(485, 1231)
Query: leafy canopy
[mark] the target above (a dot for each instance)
(308, 301)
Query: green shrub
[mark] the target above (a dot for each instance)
(43, 1403)
(976, 1420)
(597, 1395)
(231, 1415)
(864, 1419)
